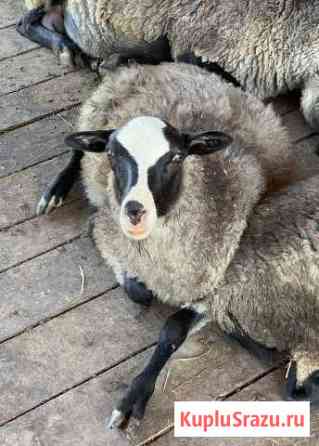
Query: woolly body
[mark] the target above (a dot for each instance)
(268, 46)
(237, 241)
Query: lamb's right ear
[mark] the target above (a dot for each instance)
(92, 141)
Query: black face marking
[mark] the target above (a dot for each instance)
(124, 167)
(177, 140)
(165, 177)
(164, 181)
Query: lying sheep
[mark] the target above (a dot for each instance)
(268, 47)
(199, 206)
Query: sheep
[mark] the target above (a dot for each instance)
(199, 204)
(268, 47)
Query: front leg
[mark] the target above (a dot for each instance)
(137, 291)
(171, 337)
(57, 192)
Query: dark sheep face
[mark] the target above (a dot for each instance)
(146, 156)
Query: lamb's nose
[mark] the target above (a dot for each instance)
(134, 211)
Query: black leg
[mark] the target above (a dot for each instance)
(140, 391)
(30, 26)
(138, 292)
(61, 186)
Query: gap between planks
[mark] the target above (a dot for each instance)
(11, 25)
(33, 84)
(80, 383)
(21, 53)
(39, 118)
(70, 240)
(47, 319)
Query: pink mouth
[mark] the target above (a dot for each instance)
(137, 230)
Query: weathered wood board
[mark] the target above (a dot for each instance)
(38, 101)
(12, 44)
(35, 143)
(20, 192)
(51, 284)
(28, 69)
(10, 11)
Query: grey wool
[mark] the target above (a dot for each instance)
(270, 47)
(240, 245)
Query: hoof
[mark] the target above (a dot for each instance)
(48, 203)
(138, 292)
(116, 420)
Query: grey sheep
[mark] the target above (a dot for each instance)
(229, 236)
(269, 47)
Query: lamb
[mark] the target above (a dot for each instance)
(198, 204)
(268, 47)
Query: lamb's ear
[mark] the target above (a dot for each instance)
(93, 141)
(204, 143)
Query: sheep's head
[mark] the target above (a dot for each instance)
(146, 156)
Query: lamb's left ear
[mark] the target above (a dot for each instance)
(93, 141)
(204, 143)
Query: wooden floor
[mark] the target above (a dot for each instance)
(70, 341)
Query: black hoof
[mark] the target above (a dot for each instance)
(138, 292)
(51, 199)
(54, 196)
(133, 404)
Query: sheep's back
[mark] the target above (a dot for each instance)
(272, 283)
(269, 47)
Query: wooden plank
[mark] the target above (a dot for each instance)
(70, 349)
(76, 418)
(28, 69)
(34, 143)
(19, 193)
(10, 11)
(33, 103)
(37, 236)
(50, 284)
(13, 44)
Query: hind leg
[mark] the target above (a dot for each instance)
(47, 29)
(310, 102)
(55, 195)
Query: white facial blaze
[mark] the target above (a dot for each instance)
(144, 139)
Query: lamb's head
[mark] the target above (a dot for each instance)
(146, 156)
